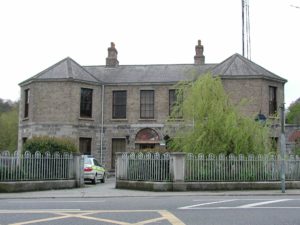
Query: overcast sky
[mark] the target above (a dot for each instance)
(36, 34)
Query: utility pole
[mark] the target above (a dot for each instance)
(246, 41)
(282, 149)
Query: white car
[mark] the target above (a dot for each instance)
(93, 171)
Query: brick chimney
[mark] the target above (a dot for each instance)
(112, 58)
(199, 58)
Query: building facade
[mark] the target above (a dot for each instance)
(115, 108)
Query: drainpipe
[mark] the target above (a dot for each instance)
(101, 131)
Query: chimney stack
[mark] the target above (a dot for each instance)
(112, 58)
(199, 58)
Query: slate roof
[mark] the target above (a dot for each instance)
(64, 69)
(147, 73)
(236, 66)
(239, 66)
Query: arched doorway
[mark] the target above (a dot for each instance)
(147, 138)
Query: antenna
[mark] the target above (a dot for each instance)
(246, 41)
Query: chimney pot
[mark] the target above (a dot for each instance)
(112, 58)
(199, 58)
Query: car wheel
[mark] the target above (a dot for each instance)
(103, 179)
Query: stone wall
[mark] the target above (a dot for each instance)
(161, 103)
(255, 92)
(55, 110)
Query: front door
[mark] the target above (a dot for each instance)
(147, 138)
(118, 145)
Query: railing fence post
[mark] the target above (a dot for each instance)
(78, 170)
(121, 169)
(177, 166)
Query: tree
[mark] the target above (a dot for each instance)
(9, 129)
(6, 105)
(293, 115)
(212, 124)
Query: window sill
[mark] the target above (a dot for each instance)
(25, 119)
(119, 120)
(146, 119)
(86, 118)
(175, 119)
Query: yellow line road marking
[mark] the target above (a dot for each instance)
(41, 220)
(170, 217)
(86, 215)
(150, 221)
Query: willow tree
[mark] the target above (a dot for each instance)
(211, 124)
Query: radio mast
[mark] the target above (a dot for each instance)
(246, 41)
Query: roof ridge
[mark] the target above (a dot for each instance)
(82, 67)
(49, 68)
(265, 70)
(45, 70)
(232, 58)
(69, 68)
(247, 61)
(176, 64)
(227, 59)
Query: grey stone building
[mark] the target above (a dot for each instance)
(114, 108)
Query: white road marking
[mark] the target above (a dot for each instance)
(7, 211)
(262, 203)
(236, 207)
(240, 199)
(55, 201)
(207, 203)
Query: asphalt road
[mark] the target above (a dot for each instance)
(163, 210)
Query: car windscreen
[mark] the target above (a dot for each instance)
(88, 161)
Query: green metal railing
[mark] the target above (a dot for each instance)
(200, 168)
(145, 167)
(27, 166)
(240, 167)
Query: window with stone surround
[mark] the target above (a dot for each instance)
(119, 104)
(272, 100)
(86, 102)
(147, 104)
(174, 95)
(85, 145)
(26, 103)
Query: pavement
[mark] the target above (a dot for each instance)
(108, 189)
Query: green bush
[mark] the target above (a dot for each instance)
(50, 144)
(296, 150)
